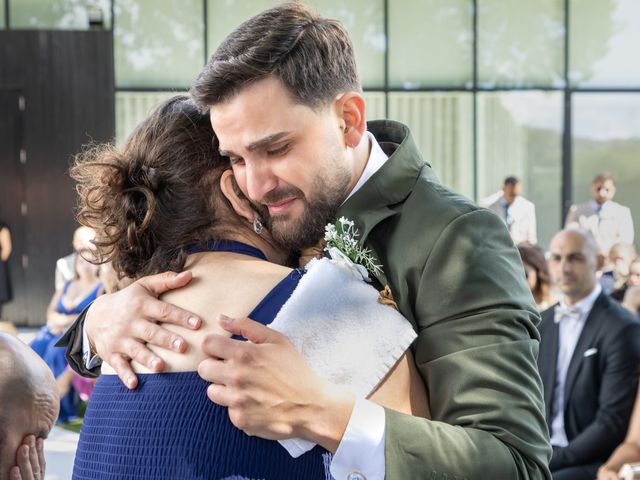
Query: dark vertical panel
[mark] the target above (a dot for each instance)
(12, 194)
(68, 85)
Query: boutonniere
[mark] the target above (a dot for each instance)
(346, 252)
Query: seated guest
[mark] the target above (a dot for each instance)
(537, 272)
(63, 309)
(631, 300)
(28, 408)
(632, 280)
(82, 240)
(616, 269)
(588, 361)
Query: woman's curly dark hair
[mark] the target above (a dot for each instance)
(157, 194)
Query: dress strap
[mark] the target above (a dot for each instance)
(226, 246)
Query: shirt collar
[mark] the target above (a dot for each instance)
(586, 304)
(376, 159)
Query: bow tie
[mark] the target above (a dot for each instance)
(572, 313)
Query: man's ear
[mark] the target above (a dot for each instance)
(238, 202)
(350, 108)
(601, 261)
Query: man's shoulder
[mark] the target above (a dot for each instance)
(616, 316)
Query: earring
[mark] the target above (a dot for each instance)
(257, 225)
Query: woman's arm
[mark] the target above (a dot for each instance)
(403, 389)
(629, 450)
(57, 321)
(5, 244)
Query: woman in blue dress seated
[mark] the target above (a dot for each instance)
(164, 201)
(65, 305)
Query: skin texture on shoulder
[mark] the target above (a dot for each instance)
(222, 284)
(29, 399)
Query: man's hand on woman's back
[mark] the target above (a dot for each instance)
(121, 324)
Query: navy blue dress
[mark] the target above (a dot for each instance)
(169, 429)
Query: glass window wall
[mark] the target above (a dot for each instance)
(430, 44)
(158, 44)
(521, 43)
(604, 39)
(364, 19)
(59, 14)
(606, 137)
(520, 133)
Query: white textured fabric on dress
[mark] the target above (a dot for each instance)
(336, 322)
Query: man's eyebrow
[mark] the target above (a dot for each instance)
(263, 142)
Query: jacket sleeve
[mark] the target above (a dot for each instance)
(476, 351)
(616, 397)
(72, 340)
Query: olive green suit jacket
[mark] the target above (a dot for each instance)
(457, 277)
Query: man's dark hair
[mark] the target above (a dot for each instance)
(311, 55)
(603, 177)
(511, 181)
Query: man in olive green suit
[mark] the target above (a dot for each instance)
(285, 104)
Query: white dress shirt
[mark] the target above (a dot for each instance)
(571, 321)
(520, 216)
(360, 454)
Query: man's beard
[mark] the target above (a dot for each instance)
(306, 230)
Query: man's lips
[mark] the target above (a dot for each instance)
(280, 207)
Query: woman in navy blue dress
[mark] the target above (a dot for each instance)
(167, 201)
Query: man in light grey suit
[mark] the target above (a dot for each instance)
(608, 221)
(518, 213)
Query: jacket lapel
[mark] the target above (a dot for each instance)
(588, 335)
(390, 185)
(549, 345)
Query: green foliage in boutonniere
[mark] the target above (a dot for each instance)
(344, 248)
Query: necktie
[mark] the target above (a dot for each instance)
(561, 313)
(507, 218)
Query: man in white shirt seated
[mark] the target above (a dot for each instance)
(518, 213)
(82, 239)
(608, 221)
(589, 356)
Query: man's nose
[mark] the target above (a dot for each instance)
(260, 180)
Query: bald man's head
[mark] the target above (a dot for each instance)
(28, 396)
(573, 263)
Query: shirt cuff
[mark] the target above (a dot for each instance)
(360, 454)
(90, 361)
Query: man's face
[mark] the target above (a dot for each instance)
(288, 159)
(602, 191)
(572, 265)
(28, 418)
(511, 192)
(634, 274)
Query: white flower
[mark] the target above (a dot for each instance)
(341, 260)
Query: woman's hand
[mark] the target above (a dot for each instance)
(604, 473)
(121, 324)
(30, 459)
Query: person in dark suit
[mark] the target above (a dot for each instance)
(589, 357)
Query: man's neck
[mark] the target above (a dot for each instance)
(361, 154)
(571, 301)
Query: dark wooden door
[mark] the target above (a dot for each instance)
(12, 196)
(66, 79)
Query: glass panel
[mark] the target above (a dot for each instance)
(441, 124)
(606, 137)
(364, 19)
(60, 14)
(520, 133)
(520, 43)
(132, 108)
(604, 39)
(2, 19)
(158, 44)
(430, 43)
